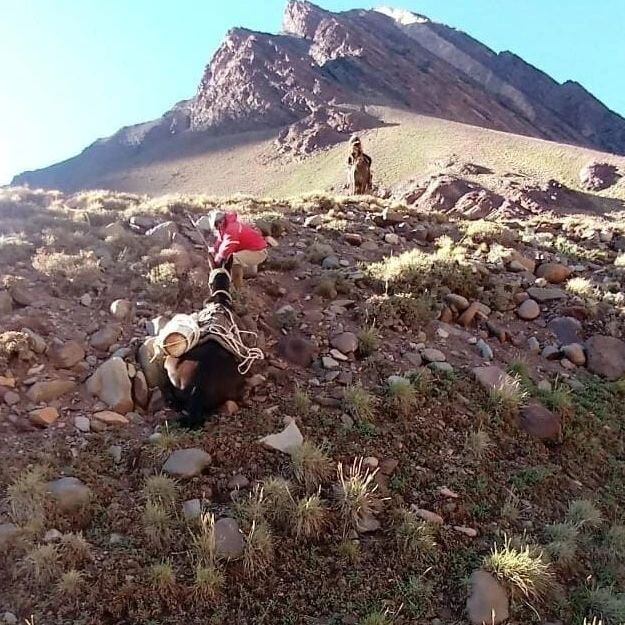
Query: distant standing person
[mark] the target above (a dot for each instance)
(359, 168)
(238, 239)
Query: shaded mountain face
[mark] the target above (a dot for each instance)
(326, 65)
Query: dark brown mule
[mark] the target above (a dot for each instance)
(207, 375)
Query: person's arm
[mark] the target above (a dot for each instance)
(227, 246)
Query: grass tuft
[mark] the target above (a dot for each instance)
(258, 553)
(584, 515)
(368, 341)
(524, 572)
(477, 443)
(75, 550)
(581, 286)
(203, 541)
(356, 494)
(359, 403)
(403, 396)
(301, 402)
(279, 501)
(26, 497)
(71, 583)
(311, 464)
(42, 564)
(208, 583)
(562, 546)
(414, 536)
(157, 525)
(311, 517)
(161, 489)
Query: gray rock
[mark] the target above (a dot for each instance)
(111, 384)
(37, 342)
(414, 358)
(443, 367)
(329, 363)
(115, 451)
(487, 601)
(546, 294)
(8, 533)
(229, 540)
(238, 481)
(187, 462)
(485, 349)
(492, 378)
(11, 398)
(458, 302)
(83, 424)
(391, 238)
(286, 441)
(122, 309)
(140, 389)
(330, 262)
(606, 356)
(433, 355)
(528, 310)
(533, 345)
(9, 618)
(104, 338)
(52, 536)
(313, 221)
(69, 493)
(565, 329)
(346, 342)
(6, 303)
(192, 509)
(550, 352)
(163, 233)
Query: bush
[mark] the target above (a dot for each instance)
(75, 272)
(413, 311)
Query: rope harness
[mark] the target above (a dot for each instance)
(215, 322)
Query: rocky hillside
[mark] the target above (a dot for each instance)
(309, 87)
(447, 393)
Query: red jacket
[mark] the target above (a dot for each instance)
(235, 236)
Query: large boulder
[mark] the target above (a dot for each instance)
(565, 329)
(606, 356)
(111, 384)
(487, 603)
(152, 362)
(540, 422)
(186, 462)
(478, 204)
(443, 192)
(66, 355)
(69, 493)
(554, 273)
(43, 392)
(105, 337)
(597, 176)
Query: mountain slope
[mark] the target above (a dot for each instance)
(324, 67)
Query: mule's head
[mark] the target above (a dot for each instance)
(220, 281)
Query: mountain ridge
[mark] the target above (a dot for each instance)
(323, 61)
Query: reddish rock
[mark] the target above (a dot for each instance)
(67, 355)
(540, 422)
(606, 356)
(598, 176)
(44, 417)
(529, 310)
(555, 273)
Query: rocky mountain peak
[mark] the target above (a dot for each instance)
(302, 18)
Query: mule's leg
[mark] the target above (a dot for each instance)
(195, 410)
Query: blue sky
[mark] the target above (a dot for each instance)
(75, 70)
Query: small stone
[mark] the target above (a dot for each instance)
(286, 441)
(546, 294)
(346, 342)
(329, 363)
(533, 345)
(458, 302)
(192, 509)
(238, 481)
(446, 492)
(104, 338)
(69, 493)
(544, 385)
(330, 262)
(44, 392)
(9, 532)
(575, 353)
(367, 524)
(187, 462)
(44, 417)
(313, 221)
(487, 601)
(426, 515)
(414, 358)
(442, 333)
(337, 355)
(443, 367)
(110, 418)
(467, 531)
(86, 300)
(485, 349)
(38, 343)
(493, 378)
(391, 238)
(52, 535)
(229, 540)
(115, 451)
(122, 309)
(229, 408)
(528, 310)
(83, 424)
(550, 352)
(371, 462)
(433, 355)
(11, 398)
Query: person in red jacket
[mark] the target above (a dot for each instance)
(238, 239)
